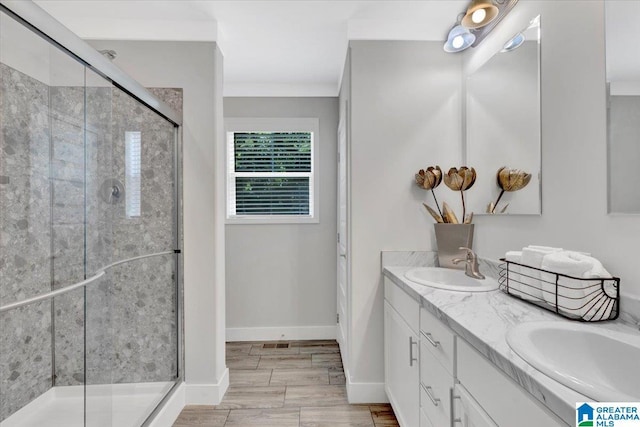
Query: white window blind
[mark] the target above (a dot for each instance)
(133, 170)
(271, 175)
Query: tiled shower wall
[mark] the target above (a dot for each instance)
(25, 236)
(50, 181)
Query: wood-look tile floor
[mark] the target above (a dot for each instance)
(293, 383)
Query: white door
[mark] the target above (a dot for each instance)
(343, 260)
(467, 412)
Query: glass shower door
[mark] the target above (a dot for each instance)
(88, 211)
(100, 194)
(132, 328)
(41, 230)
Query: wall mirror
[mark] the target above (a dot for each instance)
(503, 124)
(623, 105)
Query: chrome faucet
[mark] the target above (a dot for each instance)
(472, 269)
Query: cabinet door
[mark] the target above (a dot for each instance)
(506, 402)
(467, 412)
(402, 381)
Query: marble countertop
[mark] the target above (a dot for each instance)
(483, 319)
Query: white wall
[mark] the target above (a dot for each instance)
(574, 152)
(405, 115)
(405, 105)
(196, 67)
(282, 277)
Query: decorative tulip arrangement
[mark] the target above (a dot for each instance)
(456, 179)
(508, 180)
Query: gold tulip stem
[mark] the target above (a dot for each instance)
(437, 205)
(464, 207)
(497, 201)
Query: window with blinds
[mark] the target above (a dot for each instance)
(270, 175)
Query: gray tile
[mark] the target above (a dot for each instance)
(316, 395)
(383, 415)
(306, 343)
(280, 405)
(319, 348)
(253, 398)
(308, 376)
(330, 360)
(249, 377)
(201, 416)
(237, 349)
(243, 362)
(336, 376)
(259, 350)
(264, 417)
(292, 361)
(336, 416)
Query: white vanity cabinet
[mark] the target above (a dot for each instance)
(449, 383)
(437, 361)
(401, 348)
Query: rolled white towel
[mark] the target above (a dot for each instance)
(514, 277)
(598, 301)
(534, 282)
(571, 293)
(598, 270)
(545, 248)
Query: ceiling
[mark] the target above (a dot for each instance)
(270, 47)
(298, 47)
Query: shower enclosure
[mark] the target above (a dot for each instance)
(89, 234)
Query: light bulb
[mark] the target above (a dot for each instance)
(457, 42)
(478, 16)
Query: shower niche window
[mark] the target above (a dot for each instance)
(88, 209)
(133, 169)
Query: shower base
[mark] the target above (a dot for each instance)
(121, 405)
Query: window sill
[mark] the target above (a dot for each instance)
(260, 220)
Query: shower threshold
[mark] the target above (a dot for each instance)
(121, 405)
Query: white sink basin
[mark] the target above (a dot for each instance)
(450, 280)
(598, 363)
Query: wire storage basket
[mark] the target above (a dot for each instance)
(576, 298)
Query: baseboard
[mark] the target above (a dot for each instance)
(207, 394)
(365, 392)
(190, 394)
(171, 408)
(282, 333)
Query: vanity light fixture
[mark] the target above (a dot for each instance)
(480, 13)
(459, 39)
(479, 19)
(514, 43)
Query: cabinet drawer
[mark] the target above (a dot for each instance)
(435, 390)
(505, 401)
(439, 339)
(406, 306)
